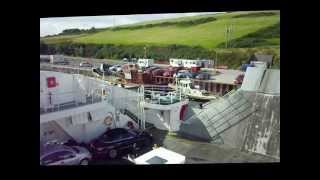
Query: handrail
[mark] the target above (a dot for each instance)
(156, 96)
(71, 104)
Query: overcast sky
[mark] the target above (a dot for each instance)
(50, 26)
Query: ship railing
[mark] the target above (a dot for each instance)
(75, 101)
(161, 97)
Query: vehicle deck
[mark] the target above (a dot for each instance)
(196, 152)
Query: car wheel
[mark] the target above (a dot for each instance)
(84, 162)
(113, 153)
(135, 147)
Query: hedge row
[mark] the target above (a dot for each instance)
(230, 57)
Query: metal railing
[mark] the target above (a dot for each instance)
(162, 95)
(74, 102)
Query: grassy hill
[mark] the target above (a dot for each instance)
(251, 29)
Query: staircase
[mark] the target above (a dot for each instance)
(136, 119)
(221, 114)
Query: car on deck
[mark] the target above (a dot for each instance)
(119, 141)
(115, 68)
(64, 155)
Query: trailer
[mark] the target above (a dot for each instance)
(57, 59)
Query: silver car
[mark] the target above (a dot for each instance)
(85, 64)
(65, 155)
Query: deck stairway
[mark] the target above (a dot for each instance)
(136, 119)
(221, 114)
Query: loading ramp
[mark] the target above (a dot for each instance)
(221, 114)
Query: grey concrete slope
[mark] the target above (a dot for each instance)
(263, 130)
(224, 113)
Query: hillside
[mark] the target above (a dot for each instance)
(251, 29)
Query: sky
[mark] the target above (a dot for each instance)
(51, 26)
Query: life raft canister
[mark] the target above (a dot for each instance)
(183, 111)
(108, 120)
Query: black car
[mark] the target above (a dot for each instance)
(120, 141)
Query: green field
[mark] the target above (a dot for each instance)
(208, 35)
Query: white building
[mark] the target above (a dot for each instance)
(145, 62)
(56, 58)
(189, 63)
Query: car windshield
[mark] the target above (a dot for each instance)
(111, 136)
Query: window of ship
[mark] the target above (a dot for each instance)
(69, 121)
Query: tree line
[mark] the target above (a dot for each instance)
(233, 58)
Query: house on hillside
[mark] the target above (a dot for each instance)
(268, 59)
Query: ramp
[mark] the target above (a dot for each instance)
(223, 113)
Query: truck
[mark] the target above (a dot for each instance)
(58, 59)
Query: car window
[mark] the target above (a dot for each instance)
(112, 136)
(126, 135)
(116, 134)
(56, 156)
(65, 155)
(49, 159)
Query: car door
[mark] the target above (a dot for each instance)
(127, 141)
(68, 158)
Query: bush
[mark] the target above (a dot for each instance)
(257, 38)
(255, 14)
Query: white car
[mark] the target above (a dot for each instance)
(115, 68)
(64, 155)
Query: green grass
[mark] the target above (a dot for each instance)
(207, 35)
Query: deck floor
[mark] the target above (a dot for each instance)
(205, 152)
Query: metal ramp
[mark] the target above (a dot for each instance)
(223, 113)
